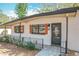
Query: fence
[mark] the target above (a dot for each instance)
(37, 41)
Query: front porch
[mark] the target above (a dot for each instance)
(45, 50)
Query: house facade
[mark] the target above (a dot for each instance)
(55, 28)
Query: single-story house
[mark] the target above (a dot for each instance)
(55, 28)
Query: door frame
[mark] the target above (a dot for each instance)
(52, 33)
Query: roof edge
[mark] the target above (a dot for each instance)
(60, 11)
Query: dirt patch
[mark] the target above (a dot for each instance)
(72, 53)
(7, 49)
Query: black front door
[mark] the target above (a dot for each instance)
(56, 33)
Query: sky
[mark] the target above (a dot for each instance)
(9, 8)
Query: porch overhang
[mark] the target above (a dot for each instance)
(9, 24)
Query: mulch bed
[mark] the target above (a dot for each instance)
(7, 49)
(72, 53)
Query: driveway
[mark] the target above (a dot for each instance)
(7, 49)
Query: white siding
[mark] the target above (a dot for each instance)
(44, 20)
(73, 39)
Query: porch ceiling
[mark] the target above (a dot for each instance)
(3, 26)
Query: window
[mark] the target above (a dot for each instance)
(34, 29)
(19, 29)
(39, 29)
(42, 29)
(16, 29)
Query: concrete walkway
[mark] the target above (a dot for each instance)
(49, 51)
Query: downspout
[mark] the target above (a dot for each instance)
(66, 42)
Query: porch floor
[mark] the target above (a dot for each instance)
(49, 51)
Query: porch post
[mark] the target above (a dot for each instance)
(20, 32)
(66, 42)
(5, 30)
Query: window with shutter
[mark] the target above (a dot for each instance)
(19, 29)
(39, 29)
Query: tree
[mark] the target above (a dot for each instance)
(3, 18)
(21, 10)
(47, 7)
(67, 5)
(76, 5)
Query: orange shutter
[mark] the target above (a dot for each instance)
(30, 29)
(22, 29)
(46, 28)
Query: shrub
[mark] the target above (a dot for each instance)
(30, 45)
(1, 39)
(20, 44)
(6, 39)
